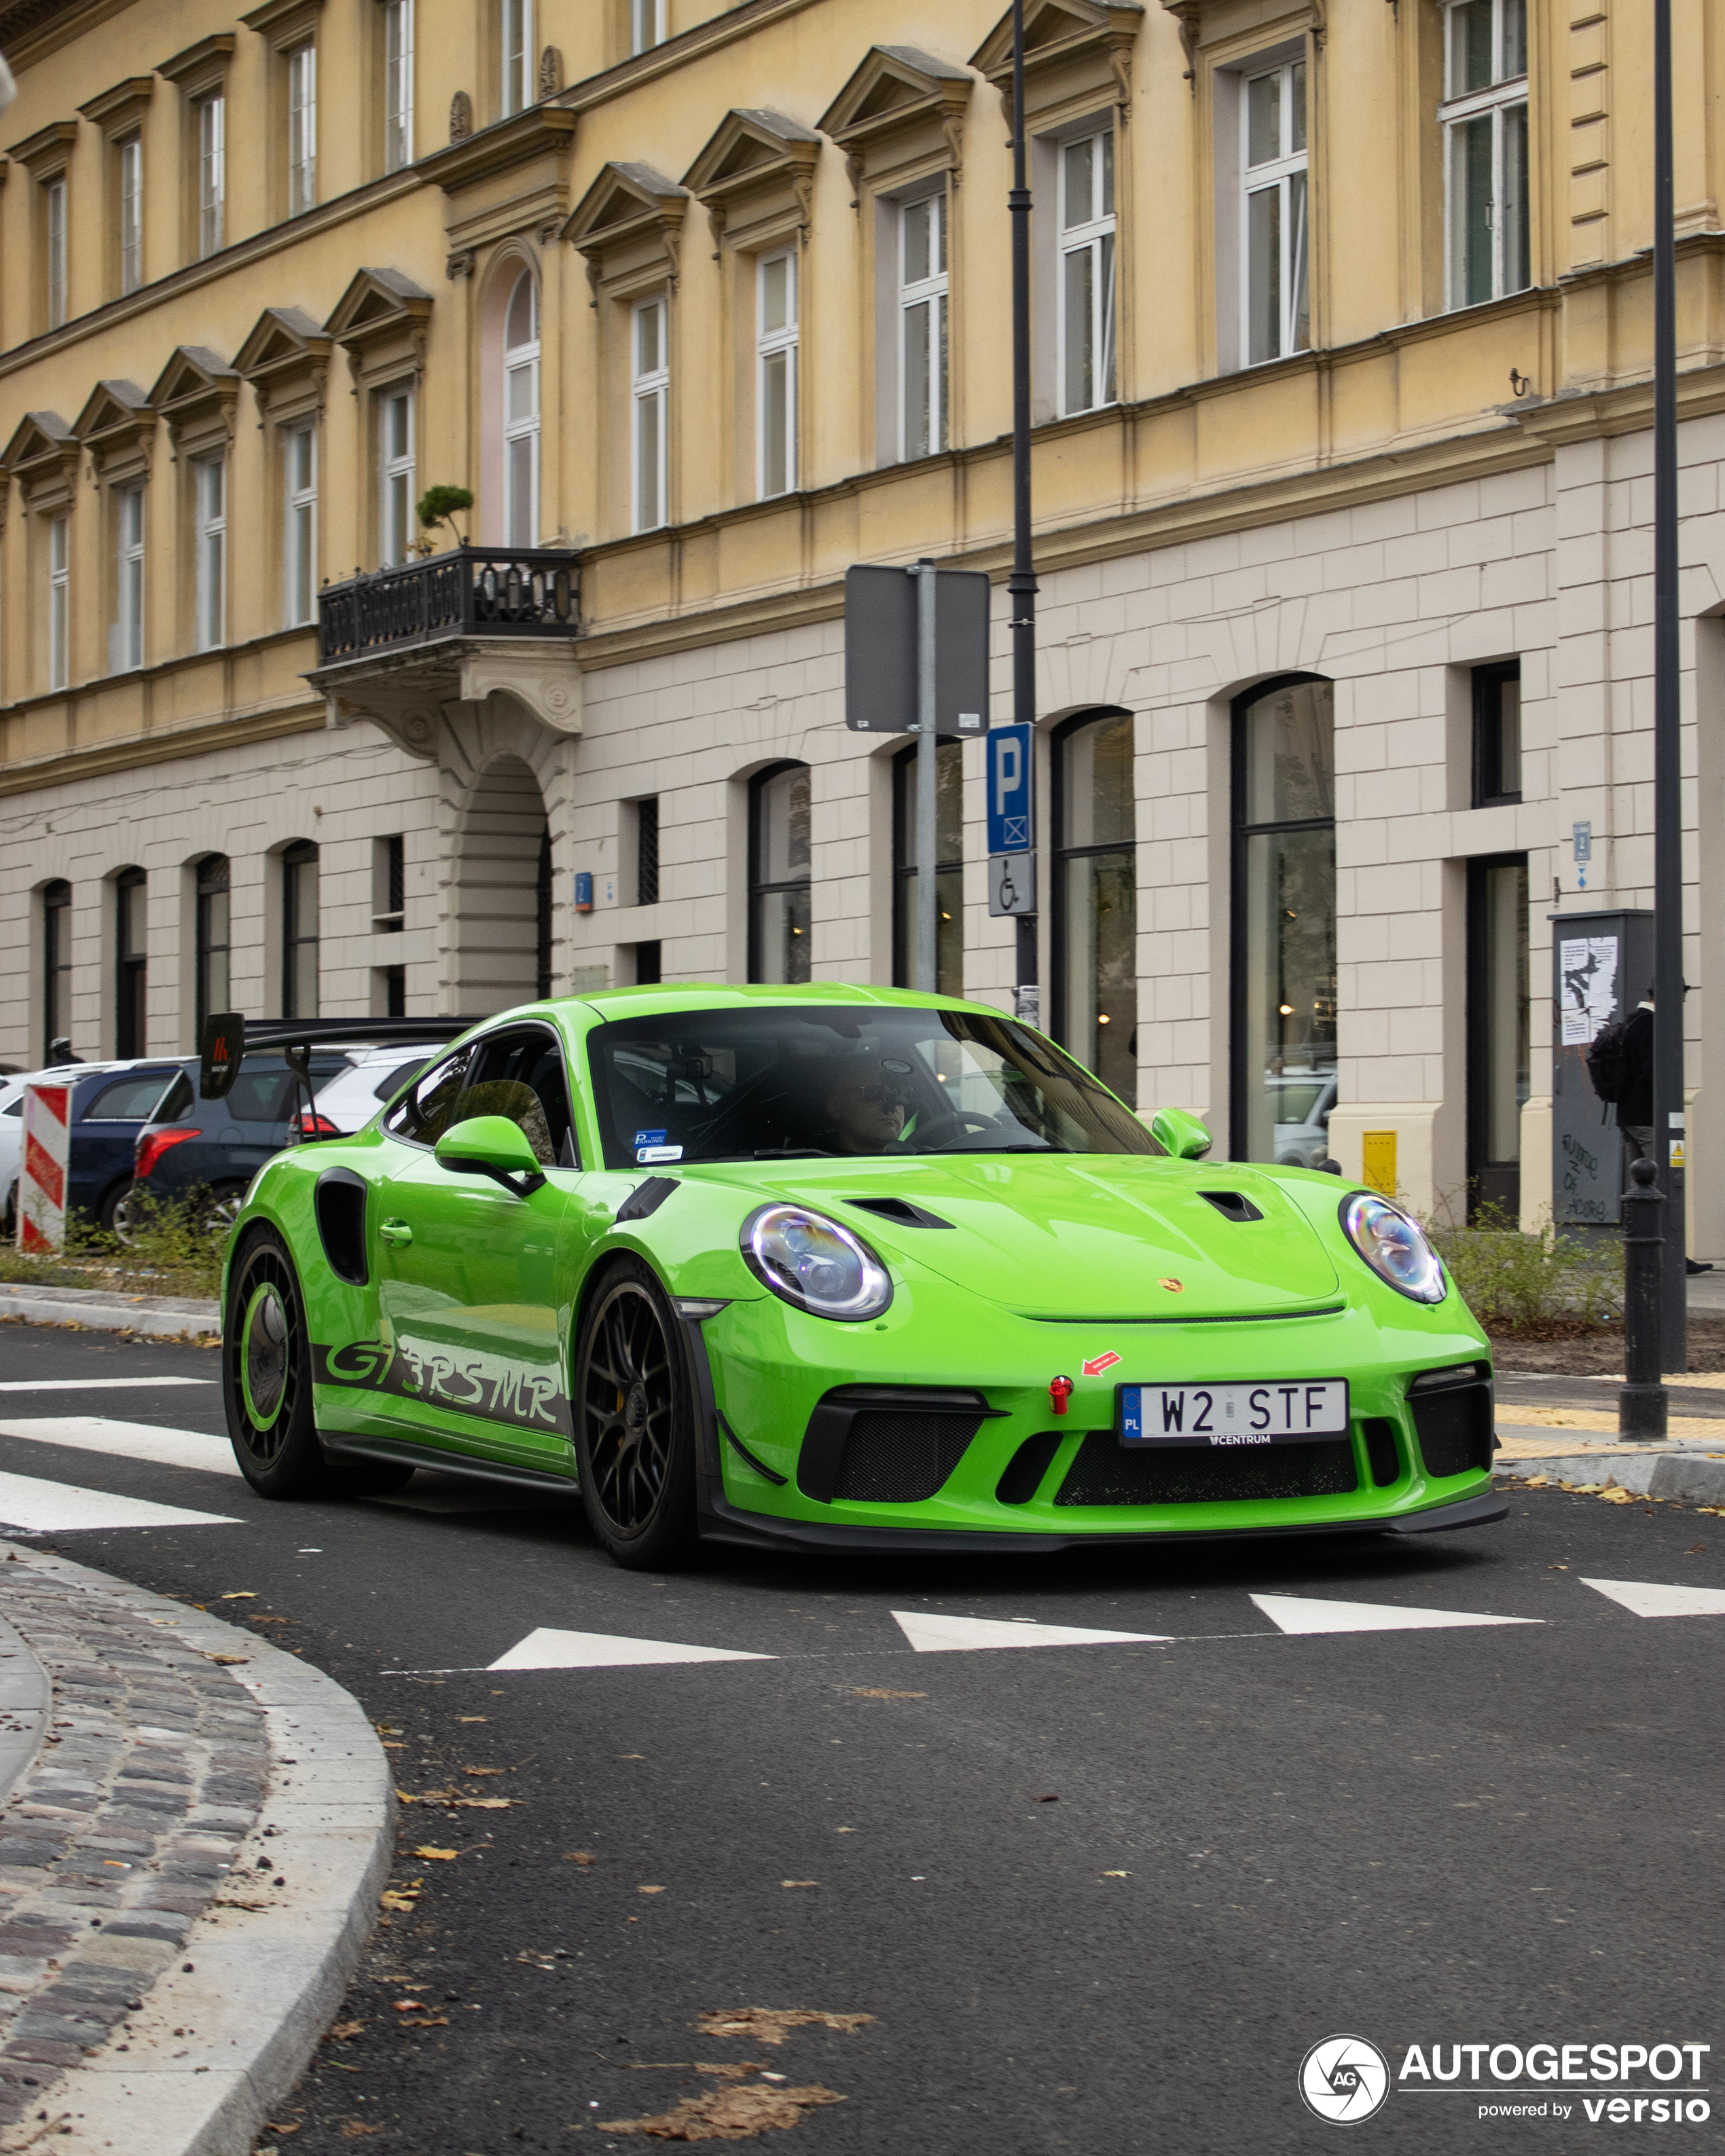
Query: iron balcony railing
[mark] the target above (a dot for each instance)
(475, 591)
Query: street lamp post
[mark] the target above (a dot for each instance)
(1021, 583)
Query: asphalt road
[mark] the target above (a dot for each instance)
(1098, 1897)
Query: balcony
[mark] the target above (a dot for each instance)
(396, 645)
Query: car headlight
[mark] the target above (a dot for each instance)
(814, 1263)
(1394, 1246)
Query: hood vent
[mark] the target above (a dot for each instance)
(1232, 1205)
(899, 1211)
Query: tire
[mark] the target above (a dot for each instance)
(111, 1212)
(634, 1423)
(218, 1208)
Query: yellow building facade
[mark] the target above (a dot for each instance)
(1342, 334)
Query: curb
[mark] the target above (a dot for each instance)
(1696, 1478)
(264, 1985)
(169, 1316)
(25, 1698)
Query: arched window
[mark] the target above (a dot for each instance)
(56, 966)
(299, 930)
(213, 938)
(1284, 936)
(948, 867)
(521, 414)
(1095, 898)
(778, 873)
(130, 889)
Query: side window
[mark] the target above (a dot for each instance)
(127, 1099)
(424, 1115)
(520, 1076)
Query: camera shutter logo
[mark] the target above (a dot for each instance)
(1344, 2080)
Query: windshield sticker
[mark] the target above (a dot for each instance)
(650, 1138)
(649, 1155)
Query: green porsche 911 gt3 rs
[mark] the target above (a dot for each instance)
(848, 1268)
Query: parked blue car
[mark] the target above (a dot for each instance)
(110, 1108)
(210, 1150)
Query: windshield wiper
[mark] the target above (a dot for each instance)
(793, 1153)
(995, 1149)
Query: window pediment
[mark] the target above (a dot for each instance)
(629, 220)
(43, 457)
(117, 111)
(116, 425)
(1072, 47)
(45, 152)
(899, 92)
(286, 359)
(200, 67)
(759, 167)
(284, 22)
(541, 131)
(196, 393)
(380, 322)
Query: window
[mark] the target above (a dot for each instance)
(209, 511)
(53, 227)
(516, 19)
(59, 601)
(1284, 963)
(1087, 295)
(1500, 1035)
(948, 867)
(56, 967)
(923, 326)
(778, 875)
(521, 414)
(130, 176)
(1485, 122)
(212, 174)
(395, 476)
(302, 129)
(649, 965)
(646, 24)
(389, 884)
(130, 1027)
(299, 930)
(128, 635)
(1096, 899)
(398, 85)
(776, 374)
(1276, 315)
(1497, 734)
(213, 937)
(650, 391)
(392, 986)
(299, 537)
(647, 852)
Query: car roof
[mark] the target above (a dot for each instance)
(724, 995)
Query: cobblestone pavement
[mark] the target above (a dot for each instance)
(123, 1830)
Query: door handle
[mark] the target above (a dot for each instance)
(395, 1231)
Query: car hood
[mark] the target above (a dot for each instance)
(1079, 1236)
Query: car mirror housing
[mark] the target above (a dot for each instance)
(492, 1146)
(1180, 1135)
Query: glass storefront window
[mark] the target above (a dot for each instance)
(1285, 923)
(948, 868)
(1096, 899)
(779, 863)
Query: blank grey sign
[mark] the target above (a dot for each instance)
(880, 650)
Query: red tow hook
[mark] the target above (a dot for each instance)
(1059, 1391)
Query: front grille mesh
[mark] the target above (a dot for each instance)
(1455, 1429)
(1106, 1472)
(898, 1459)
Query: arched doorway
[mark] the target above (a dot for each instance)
(502, 912)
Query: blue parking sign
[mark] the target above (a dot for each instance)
(1011, 825)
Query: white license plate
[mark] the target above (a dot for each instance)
(1281, 1413)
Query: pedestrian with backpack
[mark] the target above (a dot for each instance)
(1620, 1063)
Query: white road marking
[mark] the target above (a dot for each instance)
(1301, 1613)
(91, 1384)
(545, 1649)
(49, 1507)
(932, 1634)
(1647, 1600)
(129, 1441)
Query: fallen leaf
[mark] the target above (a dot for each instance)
(847, 1830)
(484, 1770)
(473, 1717)
(389, 1899)
(428, 2021)
(389, 1747)
(355, 2129)
(1115, 1875)
(772, 2024)
(1696, 1549)
(727, 2114)
(239, 1594)
(402, 1797)
(878, 1691)
(409, 2005)
(800, 1882)
(584, 1857)
(270, 2126)
(649, 1890)
(483, 1804)
(343, 2029)
(239, 1658)
(1048, 1800)
(440, 1856)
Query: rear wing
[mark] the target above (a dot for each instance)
(228, 1037)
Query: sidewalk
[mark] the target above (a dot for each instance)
(195, 1828)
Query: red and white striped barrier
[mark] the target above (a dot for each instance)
(42, 1173)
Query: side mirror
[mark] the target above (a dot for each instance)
(1180, 1135)
(493, 1146)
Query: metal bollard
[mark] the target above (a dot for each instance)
(1641, 1403)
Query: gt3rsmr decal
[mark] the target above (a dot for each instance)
(482, 1385)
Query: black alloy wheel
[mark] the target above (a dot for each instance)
(635, 1424)
(266, 1385)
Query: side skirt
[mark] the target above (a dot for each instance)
(406, 1454)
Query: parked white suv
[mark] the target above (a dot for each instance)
(348, 1102)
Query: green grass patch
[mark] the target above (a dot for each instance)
(168, 1250)
(1542, 1283)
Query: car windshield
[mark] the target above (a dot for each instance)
(1297, 1101)
(771, 1083)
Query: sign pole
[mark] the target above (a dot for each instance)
(927, 825)
(1668, 1102)
(1021, 584)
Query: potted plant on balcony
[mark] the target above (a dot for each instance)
(441, 504)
